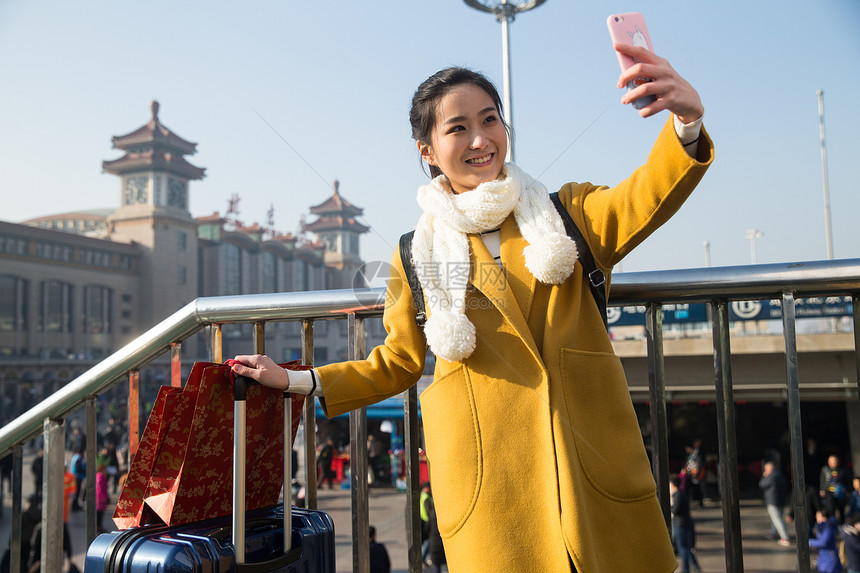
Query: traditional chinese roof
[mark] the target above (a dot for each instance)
(153, 146)
(336, 223)
(336, 204)
(336, 214)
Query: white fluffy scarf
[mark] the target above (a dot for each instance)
(440, 248)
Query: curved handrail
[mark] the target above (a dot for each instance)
(738, 283)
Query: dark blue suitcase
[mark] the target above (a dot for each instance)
(246, 543)
(206, 546)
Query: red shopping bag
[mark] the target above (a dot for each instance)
(129, 508)
(192, 478)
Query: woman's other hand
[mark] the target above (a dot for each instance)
(672, 91)
(262, 369)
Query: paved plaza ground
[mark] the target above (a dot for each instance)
(387, 513)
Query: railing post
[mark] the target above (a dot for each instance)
(52, 495)
(217, 344)
(176, 364)
(358, 460)
(260, 337)
(92, 466)
(795, 431)
(727, 439)
(133, 414)
(413, 477)
(310, 420)
(15, 557)
(657, 397)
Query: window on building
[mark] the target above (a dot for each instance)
(269, 272)
(182, 277)
(126, 298)
(56, 306)
(232, 269)
(98, 309)
(13, 303)
(301, 282)
(183, 240)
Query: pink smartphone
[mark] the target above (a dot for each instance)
(630, 29)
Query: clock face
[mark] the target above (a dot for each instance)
(176, 193)
(135, 190)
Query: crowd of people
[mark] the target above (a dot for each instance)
(832, 504)
(108, 471)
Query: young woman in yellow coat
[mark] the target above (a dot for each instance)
(535, 454)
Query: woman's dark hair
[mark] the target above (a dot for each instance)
(422, 114)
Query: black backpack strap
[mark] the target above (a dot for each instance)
(412, 277)
(596, 278)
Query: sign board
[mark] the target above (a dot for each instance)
(817, 307)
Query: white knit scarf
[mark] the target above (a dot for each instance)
(440, 248)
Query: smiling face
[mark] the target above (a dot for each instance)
(468, 142)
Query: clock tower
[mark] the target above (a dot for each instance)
(153, 212)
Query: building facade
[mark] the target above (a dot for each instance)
(75, 287)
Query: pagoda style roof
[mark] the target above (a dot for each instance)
(335, 223)
(153, 146)
(336, 204)
(154, 159)
(336, 214)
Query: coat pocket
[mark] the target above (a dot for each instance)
(604, 425)
(452, 438)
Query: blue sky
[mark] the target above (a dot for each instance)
(285, 97)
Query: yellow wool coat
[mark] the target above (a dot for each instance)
(535, 454)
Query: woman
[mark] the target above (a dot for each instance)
(534, 449)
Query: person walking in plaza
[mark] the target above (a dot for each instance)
(324, 460)
(682, 525)
(525, 373)
(696, 473)
(425, 502)
(37, 467)
(833, 488)
(775, 489)
(102, 497)
(380, 562)
(68, 494)
(851, 538)
(79, 470)
(813, 459)
(825, 542)
(854, 498)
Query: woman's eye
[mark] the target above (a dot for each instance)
(490, 119)
(456, 128)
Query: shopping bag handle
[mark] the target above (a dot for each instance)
(242, 383)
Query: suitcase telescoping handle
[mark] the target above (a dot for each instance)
(240, 394)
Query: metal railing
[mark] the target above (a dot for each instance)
(716, 286)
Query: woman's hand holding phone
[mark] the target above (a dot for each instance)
(652, 84)
(672, 92)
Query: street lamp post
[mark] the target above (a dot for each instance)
(828, 233)
(505, 11)
(752, 235)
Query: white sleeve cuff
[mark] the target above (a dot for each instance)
(305, 382)
(688, 133)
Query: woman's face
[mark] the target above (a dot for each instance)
(469, 141)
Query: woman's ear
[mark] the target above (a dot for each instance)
(426, 153)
